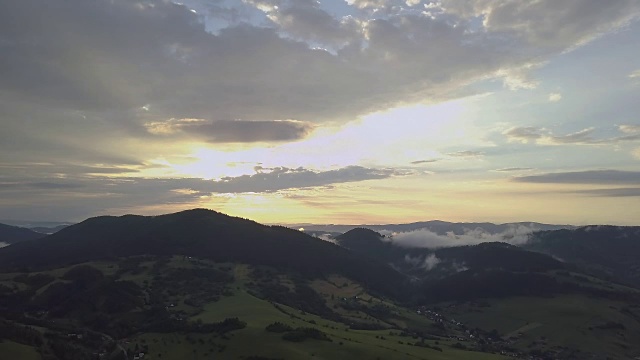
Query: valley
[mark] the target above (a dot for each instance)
(203, 285)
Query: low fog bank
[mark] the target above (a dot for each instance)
(432, 261)
(425, 238)
(427, 263)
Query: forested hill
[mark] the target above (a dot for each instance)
(13, 234)
(202, 233)
(491, 255)
(609, 251)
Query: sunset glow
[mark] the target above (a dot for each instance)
(385, 111)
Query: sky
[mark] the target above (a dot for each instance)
(290, 111)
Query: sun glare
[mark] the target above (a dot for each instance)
(399, 135)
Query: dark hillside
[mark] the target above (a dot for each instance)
(202, 233)
(499, 256)
(13, 234)
(610, 251)
(48, 230)
(484, 256)
(369, 243)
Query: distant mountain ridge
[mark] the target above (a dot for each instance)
(489, 255)
(14, 234)
(48, 230)
(609, 251)
(437, 226)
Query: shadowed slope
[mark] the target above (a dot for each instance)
(202, 233)
(13, 234)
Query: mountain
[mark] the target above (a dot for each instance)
(202, 233)
(437, 226)
(14, 234)
(490, 255)
(367, 242)
(608, 251)
(201, 284)
(473, 272)
(48, 230)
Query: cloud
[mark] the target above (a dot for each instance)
(264, 180)
(635, 75)
(80, 196)
(427, 263)
(233, 131)
(543, 136)
(325, 237)
(106, 82)
(548, 23)
(305, 20)
(429, 161)
(636, 153)
(617, 192)
(41, 185)
(555, 97)
(110, 85)
(629, 129)
(519, 78)
(281, 178)
(425, 238)
(160, 53)
(523, 134)
(584, 177)
(579, 137)
(466, 154)
(513, 169)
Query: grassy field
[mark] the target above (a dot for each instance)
(11, 350)
(596, 325)
(254, 340)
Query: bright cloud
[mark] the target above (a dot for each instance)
(425, 238)
(555, 97)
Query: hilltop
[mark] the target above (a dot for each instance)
(202, 233)
(14, 234)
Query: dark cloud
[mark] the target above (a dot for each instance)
(584, 177)
(281, 178)
(417, 162)
(233, 131)
(41, 185)
(617, 192)
(79, 80)
(65, 170)
(264, 180)
(96, 55)
(93, 194)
